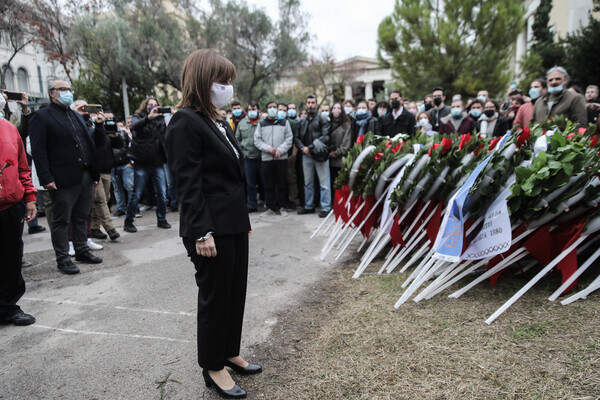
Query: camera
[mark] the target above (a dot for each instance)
(92, 108)
(164, 110)
(16, 96)
(110, 126)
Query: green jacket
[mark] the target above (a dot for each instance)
(245, 137)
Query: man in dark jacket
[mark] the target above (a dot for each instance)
(439, 110)
(106, 160)
(399, 120)
(122, 172)
(148, 155)
(64, 152)
(312, 141)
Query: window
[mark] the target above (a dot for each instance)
(22, 80)
(9, 79)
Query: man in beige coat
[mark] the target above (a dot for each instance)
(559, 101)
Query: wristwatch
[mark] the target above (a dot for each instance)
(205, 237)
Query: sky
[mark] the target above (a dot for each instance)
(346, 27)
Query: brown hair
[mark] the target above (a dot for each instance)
(200, 70)
(144, 106)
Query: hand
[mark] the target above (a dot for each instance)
(277, 154)
(100, 117)
(332, 154)
(129, 165)
(154, 113)
(272, 151)
(207, 248)
(50, 186)
(112, 134)
(305, 150)
(24, 102)
(593, 106)
(249, 234)
(30, 211)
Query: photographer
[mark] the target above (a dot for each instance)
(147, 154)
(122, 172)
(106, 160)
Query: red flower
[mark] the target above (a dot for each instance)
(550, 119)
(446, 144)
(478, 149)
(464, 139)
(493, 144)
(378, 156)
(581, 131)
(571, 135)
(10, 161)
(388, 144)
(398, 147)
(360, 139)
(594, 141)
(522, 138)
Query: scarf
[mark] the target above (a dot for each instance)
(362, 122)
(487, 125)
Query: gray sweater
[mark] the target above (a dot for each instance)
(273, 133)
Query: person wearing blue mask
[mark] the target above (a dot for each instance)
(273, 137)
(559, 101)
(64, 152)
(476, 109)
(364, 122)
(536, 91)
(237, 114)
(244, 135)
(325, 111)
(458, 121)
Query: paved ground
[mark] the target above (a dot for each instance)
(117, 328)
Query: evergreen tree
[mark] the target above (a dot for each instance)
(582, 58)
(462, 45)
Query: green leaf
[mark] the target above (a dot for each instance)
(555, 165)
(522, 173)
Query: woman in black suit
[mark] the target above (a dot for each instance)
(208, 167)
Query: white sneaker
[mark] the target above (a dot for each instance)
(71, 249)
(93, 246)
(283, 212)
(268, 212)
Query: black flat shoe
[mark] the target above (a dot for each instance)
(249, 370)
(88, 258)
(235, 392)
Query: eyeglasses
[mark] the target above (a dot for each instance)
(63, 89)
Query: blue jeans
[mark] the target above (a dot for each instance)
(254, 175)
(159, 181)
(171, 190)
(308, 166)
(122, 180)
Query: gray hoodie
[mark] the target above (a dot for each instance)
(273, 133)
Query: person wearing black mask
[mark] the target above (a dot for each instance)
(439, 110)
(399, 120)
(491, 123)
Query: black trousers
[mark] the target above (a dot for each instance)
(12, 285)
(222, 282)
(275, 173)
(71, 206)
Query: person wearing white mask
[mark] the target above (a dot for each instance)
(483, 96)
(325, 111)
(349, 107)
(208, 167)
(424, 124)
(560, 101)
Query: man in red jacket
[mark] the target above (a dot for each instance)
(17, 203)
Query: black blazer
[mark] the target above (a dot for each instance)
(211, 187)
(405, 123)
(55, 149)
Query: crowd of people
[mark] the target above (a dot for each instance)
(80, 156)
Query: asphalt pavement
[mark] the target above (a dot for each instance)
(118, 328)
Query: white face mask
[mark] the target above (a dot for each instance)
(348, 110)
(2, 103)
(220, 94)
(423, 121)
